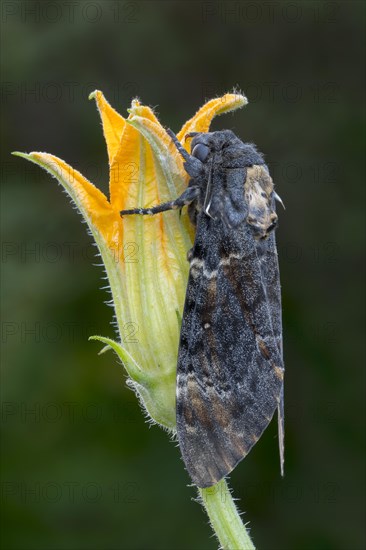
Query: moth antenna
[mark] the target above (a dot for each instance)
(190, 135)
(278, 199)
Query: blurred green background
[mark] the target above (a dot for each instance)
(80, 467)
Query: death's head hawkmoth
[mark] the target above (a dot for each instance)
(230, 367)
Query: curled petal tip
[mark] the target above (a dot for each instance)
(93, 95)
(201, 121)
(20, 154)
(234, 101)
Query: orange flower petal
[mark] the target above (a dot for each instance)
(157, 280)
(165, 151)
(92, 203)
(203, 118)
(125, 166)
(172, 179)
(144, 119)
(113, 123)
(142, 110)
(125, 170)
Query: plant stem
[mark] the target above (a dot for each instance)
(224, 517)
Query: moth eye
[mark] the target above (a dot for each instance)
(201, 152)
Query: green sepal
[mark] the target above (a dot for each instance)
(157, 392)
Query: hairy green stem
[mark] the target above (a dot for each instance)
(224, 517)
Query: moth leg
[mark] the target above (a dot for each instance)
(188, 196)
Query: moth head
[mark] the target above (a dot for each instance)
(201, 152)
(260, 199)
(204, 145)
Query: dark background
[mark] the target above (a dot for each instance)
(80, 468)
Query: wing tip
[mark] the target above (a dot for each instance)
(281, 435)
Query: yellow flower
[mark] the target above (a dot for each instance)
(144, 257)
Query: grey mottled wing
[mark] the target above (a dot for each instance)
(230, 370)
